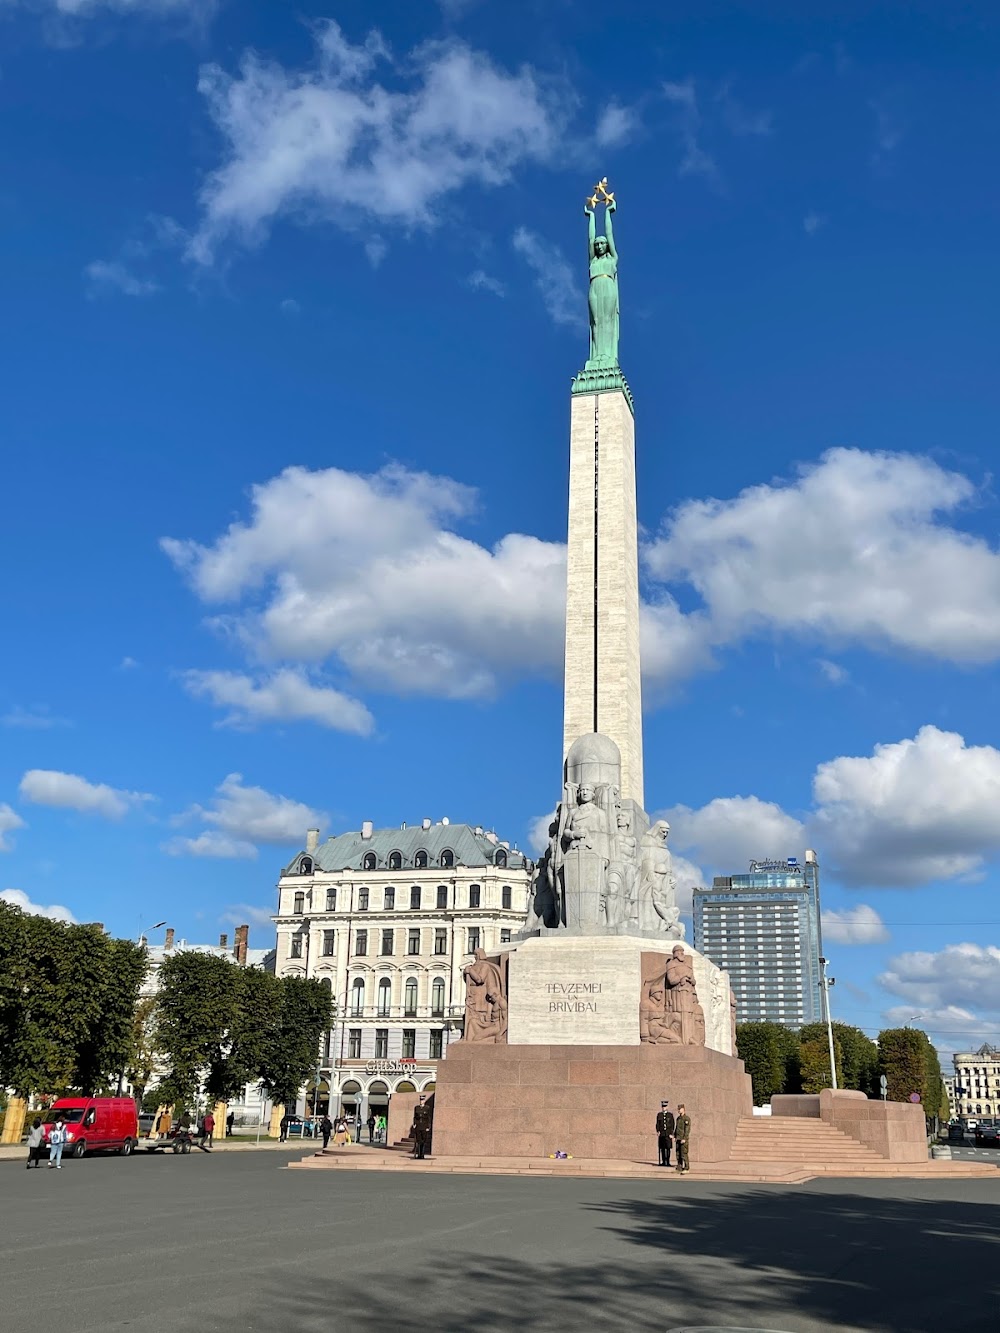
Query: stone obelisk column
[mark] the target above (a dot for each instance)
(602, 685)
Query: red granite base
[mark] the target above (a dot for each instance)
(589, 1101)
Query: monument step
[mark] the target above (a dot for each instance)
(810, 1142)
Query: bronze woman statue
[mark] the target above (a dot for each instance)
(603, 298)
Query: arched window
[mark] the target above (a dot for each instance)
(300, 903)
(410, 998)
(327, 983)
(420, 860)
(369, 861)
(306, 866)
(437, 998)
(395, 861)
(358, 996)
(501, 858)
(384, 989)
(448, 859)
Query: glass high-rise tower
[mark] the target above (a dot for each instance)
(763, 928)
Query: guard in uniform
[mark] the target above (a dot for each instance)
(421, 1129)
(664, 1132)
(682, 1138)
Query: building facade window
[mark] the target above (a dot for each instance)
(505, 898)
(381, 1043)
(501, 858)
(360, 943)
(505, 935)
(358, 996)
(296, 949)
(473, 939)
(447, 860)
(415, 898)
(442, 896)
(436, 1044)
(384, 997)
(409, 1043)
(475, 893)
(437, 997)
(329, 943)
(386, 943)
(389, 900)
(370, 861)
(420, 860)
(306, 866)
(410, 998)
(362, 900)
(331, 900)
(440, 941)
(299, 904)
(413, 941)
(354, 1044)
(395, 861)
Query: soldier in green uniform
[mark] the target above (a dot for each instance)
(421, 1129)
(664, 1131)
(682, 1137)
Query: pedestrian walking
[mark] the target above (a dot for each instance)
(682, 1138)
(664, 1132)
(283, 1128)
(371, 1127)
(326, 1129)
(36, 1142)
(57, 1141)
(207, 1130)
(230, 1121)
(383, 1126)
(340, 1135)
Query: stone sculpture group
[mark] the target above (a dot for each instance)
(669, 1011)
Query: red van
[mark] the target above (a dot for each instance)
(95, 1122)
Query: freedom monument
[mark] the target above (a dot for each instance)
(599, 1009)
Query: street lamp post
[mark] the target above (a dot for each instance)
(826, 982)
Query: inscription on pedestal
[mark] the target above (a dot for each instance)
(574, 992)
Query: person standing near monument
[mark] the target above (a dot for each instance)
(664, 1132)
(421, 1129)
(682, 1138)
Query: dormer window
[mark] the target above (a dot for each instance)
(369, 862)
(395, 861)
(447, 860)
(306, 866)
(420, 861)
(501, 858)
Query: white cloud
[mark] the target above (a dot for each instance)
(873, 564)
(833, 672)
(243, 914)
(538, 832)
(333, 142)
(695, 161)
(36, 718)
(812, 222)
(555, 280)
(284, 696)
(480, 281)
(911, 812)
(963, 975)
(10, 820)
(730, 831)
(290, 306)
(854, 925)
(18, 898)
(211, 844)
(615, 125)
(111, 275)
(687, 877)
(240, 816)
(198, 9)
(740, 120)
(127, 664)
(375, 250)
(68, 791)
(368, 570)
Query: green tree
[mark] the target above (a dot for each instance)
(766, 1050)
(904, 1059)
(814, 1054)
(256, 1015)
(292, 1048)
(857, 1058)
(197, 1006)
(105, 1053)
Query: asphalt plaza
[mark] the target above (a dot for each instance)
(233, 1241)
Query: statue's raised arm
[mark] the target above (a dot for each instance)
(603, 295)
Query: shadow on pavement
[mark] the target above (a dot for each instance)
(781, 1260)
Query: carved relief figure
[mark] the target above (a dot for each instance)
(684, 1012)
(585, 847)
(732, 1017)
(623, 873)
(658, 913)
(654, 1022)
(485, 1001)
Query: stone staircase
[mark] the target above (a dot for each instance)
(793, 1142)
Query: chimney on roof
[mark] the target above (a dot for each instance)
(312, 839)
(403, 825)
(223, 941)
(367, 828)
(491, 837)
(505, 844)
(240, 947)
(168, 939)
(445, 820)
(425, 824)
(479, 830)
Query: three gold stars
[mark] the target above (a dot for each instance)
(601, 195)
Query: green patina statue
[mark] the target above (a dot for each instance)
(602, 373)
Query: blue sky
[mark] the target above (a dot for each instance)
(293, 296)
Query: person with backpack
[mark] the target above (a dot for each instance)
(57, 1141)
(326, 1129)
(36, 1141)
